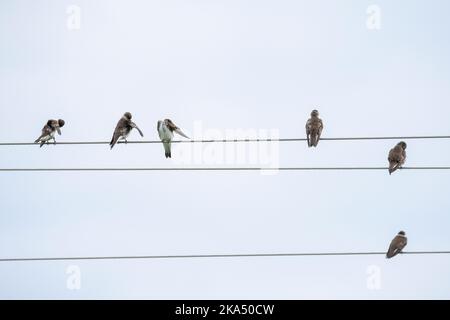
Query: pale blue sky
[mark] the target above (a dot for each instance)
(231, 65)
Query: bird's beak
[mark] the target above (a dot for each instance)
(181, 133)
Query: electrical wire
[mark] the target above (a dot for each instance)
(220, 169)
(214, 256)
(230, 140)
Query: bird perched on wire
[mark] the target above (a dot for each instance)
(397, 245)
(314, 127)
(166, 128)
(49, 131)
(397, 157)
(123, 129)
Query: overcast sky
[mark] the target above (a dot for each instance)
(218, 67)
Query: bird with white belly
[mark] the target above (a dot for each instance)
(49, 131)
(166, 128)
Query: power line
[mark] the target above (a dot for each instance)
(229, 140)
(215, 256)
(219, 169)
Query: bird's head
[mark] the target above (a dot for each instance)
(314, 113)
(127, 115)
(403, 145)
(169, 123)
(61, 123)
(402, 233)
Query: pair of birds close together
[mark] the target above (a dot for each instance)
(314, 128)
(166, 129)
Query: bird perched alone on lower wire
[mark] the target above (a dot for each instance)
(314, 127)
(166, 128)
(123, 129)
(397, 245)
(397, 157)
(49, 131)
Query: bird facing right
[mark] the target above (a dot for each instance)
(397, 245)
(314, 127)
(49, 131)
(166, 128)
(397, 157)
(123, 129)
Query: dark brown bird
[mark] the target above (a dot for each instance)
(314, 127)
(397, 245)
(49, 130)
(123, 129)
(397, 157)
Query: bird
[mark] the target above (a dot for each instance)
(49, 130)
(123, 129)
(314, 127)
(397, 157)
(166, 128)
(397, 245)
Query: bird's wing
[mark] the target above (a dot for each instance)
(115, 138)
(395, 247)
(308, 126)
(391, 252)
(392, 155)
(320, 126)
(395, 159)
(133, 125)
(172, 127)
(178, 130)
(308, 132)
(45, 132)
(402, 243)
(117, 133)
(158, 128)
(319, 131)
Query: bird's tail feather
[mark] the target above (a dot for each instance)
(112, 143)
(313, 140)
(391, 254)
(393, 166)
(39, 139)
(181, 133)
(316, 141)
(167, 149)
